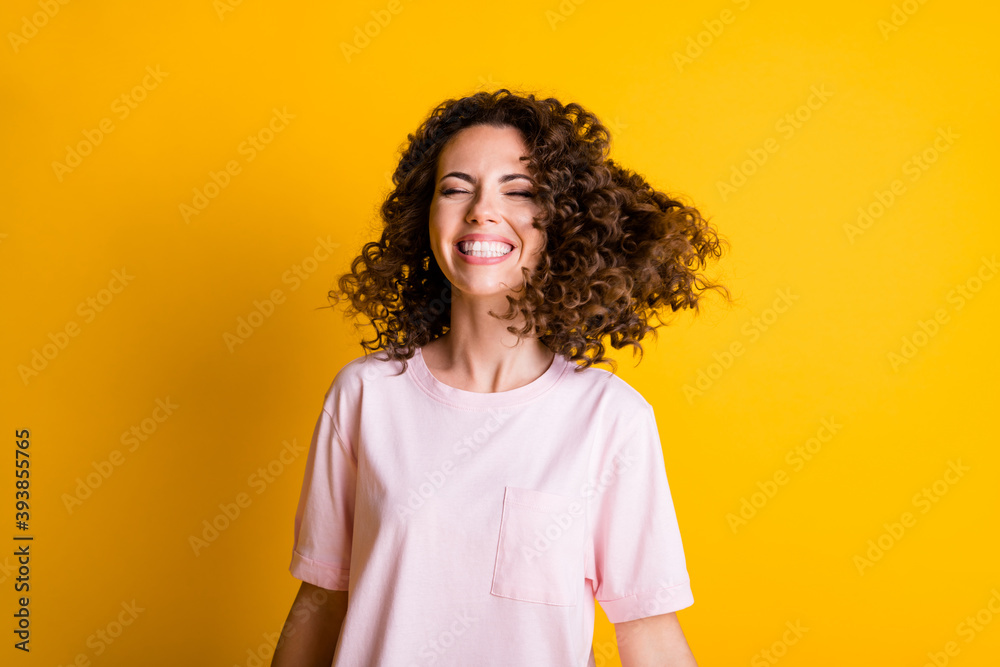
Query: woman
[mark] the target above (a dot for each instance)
(478, 486)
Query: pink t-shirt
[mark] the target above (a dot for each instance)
(478, 528)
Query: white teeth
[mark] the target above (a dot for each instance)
(485, 248)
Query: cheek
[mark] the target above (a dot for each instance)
(434, 225)
(532, 249)
(531, 237)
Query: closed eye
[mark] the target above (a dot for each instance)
(519, 193)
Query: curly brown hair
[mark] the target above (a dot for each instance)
(615, 249)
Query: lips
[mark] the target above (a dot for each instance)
(489, 248)
(486, 237)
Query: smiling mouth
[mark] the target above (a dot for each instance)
(484, 249)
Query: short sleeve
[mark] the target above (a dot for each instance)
(636, 558)
(324, 519)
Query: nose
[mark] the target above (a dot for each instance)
(483, 208)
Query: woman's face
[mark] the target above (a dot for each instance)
(483, 192)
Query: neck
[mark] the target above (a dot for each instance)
(479, 354)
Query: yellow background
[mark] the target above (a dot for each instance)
(684, 125)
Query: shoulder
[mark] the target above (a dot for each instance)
(354, 375)
(606, 392)
(342, 401)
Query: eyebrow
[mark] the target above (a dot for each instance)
(506, 178)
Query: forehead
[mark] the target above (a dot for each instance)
(483, 147)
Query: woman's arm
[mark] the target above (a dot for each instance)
(654, 641)
(309, 637)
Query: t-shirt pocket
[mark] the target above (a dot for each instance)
(540, 553)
